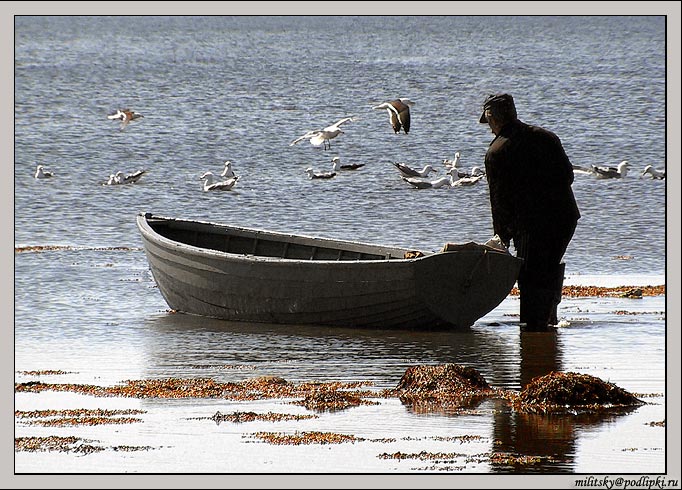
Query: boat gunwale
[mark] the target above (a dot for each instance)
(150, 232)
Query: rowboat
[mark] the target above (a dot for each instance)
(242, 274)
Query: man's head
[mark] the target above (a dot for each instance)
(498, 110)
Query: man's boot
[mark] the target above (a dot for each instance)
(536, 308)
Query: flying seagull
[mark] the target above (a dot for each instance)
(324, 136)
(398, 113)
(125, 116)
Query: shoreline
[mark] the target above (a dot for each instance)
(627, 292)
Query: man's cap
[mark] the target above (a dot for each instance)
(498, 101)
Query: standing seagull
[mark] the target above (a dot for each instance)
(410, 172)
(323, 136)
(398, 113)
(125, 116)
(41, 173)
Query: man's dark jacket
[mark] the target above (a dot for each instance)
(529, 177)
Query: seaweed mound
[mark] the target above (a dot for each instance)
(442, 379)
(330, 400)
(574, 390)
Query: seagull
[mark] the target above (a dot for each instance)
(432, 184)
(410, 172)
(349, 166)
(474, 172)
(611, 172)
(125, 116)
(227, 171)
(210, 184)
(323, 136)
(467, 181)
(398, 113)
(655, 174)
(454, 163)
(319, 175)
(41, 173)
(426, 184)
(121, 178)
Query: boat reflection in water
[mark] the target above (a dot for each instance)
(507, 441)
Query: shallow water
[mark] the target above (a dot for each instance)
(93, 342)
(94, 312)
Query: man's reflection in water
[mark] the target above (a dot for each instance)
(548, 437)
(539, 355)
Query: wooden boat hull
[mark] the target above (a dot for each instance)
(258, 276)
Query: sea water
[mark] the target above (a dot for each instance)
(242, 88)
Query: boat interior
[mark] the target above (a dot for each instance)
(266, 244)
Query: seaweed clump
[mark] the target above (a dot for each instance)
(443, 379)
(573, 390)
(331, 400)
(443, 387)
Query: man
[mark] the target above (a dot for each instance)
(529, 178)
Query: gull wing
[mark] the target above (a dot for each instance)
(402, 112)
(134, 177)
(352, 166)
(324, 175)
(405, 170)
(338, 123)
(394, 119)
(419, 184)
(224, 185)
(308, 135)
(605, 171)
